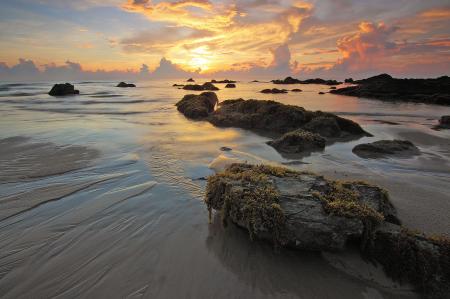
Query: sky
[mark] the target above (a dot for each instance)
(129, 39)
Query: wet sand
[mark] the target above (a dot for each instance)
(105, 199)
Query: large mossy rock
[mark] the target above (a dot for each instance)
(298, 141)
(197, 106)
(306, 211)
(63, 90)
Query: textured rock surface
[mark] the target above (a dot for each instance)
(125, 85)
(274, 90)
(298, 141)
(205, 86)
(63, 90)
(230, 85)
(386, 147)
(290, 80)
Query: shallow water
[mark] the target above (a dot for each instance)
(125, 217)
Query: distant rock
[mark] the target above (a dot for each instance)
(230, 85)
(384, 87)
(333, 87)
(296, 90)
(190, 80)
(321, 92)
(205, 86)
(125, 85)
(290, 80)
(386, 147)
(255, 81)
(444, 122)
(63, 90)
(226, 81)
(349, 80)
(274, 90)
(225, 149)
(197, 106)
(298, 141)
(178, 85)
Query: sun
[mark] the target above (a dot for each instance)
(200, 63)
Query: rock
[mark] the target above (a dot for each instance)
(294, 209)
(205, 86)
(178, 85)
(296, 90)
(349, 80)
(197, 106)
(225, 149)
(290, 80)
(273, 90)
(255, 81)
(63, 90)
(298, 141)
(190, 80)
(125, 85)
(230, 85)
(444, 122)
(321, 92)
(386, 147)
(226, 81)
(306, 211)
(333, 87)
(384, 87)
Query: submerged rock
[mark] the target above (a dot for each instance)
(205, 86)
(384, 87)
(230, 85)
(298, 141)
(386, 147)
(197, 106)
(125, 85)
(305, 211)
(63, 90)
(321, 92)
(274, 90)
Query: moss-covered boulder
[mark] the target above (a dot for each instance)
(298, 141)
(197, 106)
(306, 211)
(297, 209)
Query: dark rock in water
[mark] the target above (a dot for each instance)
(290, 80)
(230, 85)
(324, 126)
(296, 90)
(305, 211)
(125, 85)
(190, 80)
(444, 122)
(225, 149)
(274, 90)
(226, 81)
(333, 87)
(384, 87)
(197, 106)
(298, 141)
(386, 147)
(205, 86)
(321, 92)
(178, 85)
(349, 80)
(255, 81)
(63, 90)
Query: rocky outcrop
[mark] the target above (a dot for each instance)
(384, 87)
(274, 90)
(290, 80)
(298, 141)
(178, 85)
(230, 85)
(383, 148)
(276, 119)
(349, 80)
(226, 81)
(125, 85)
(306, 211)
(321, 92)
(197, 106)
(296, 90)
(205, 86)
(190, 80)
(63, 90)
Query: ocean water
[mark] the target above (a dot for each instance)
(103, 194)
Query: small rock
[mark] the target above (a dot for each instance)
(274, 90)
(386, 147)
(230, 85)
(225, 149)
(190, 80)
(296, 90)
(321, 92)
(63, 90)
(298, 141)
